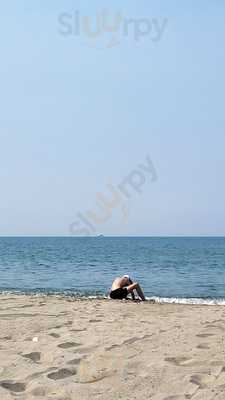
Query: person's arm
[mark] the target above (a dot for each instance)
(136, 286)
(132, 293)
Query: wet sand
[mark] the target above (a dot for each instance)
(65, 349)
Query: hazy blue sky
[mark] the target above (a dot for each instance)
(77, 114)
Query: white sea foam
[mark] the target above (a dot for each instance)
(174, 300)
(180, 300)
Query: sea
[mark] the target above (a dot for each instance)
(187, 270)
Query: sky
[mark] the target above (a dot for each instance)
(112, 129)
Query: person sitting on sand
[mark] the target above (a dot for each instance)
(122, 286)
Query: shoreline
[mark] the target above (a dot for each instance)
(195, 301)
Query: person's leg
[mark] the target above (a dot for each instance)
(136, 286)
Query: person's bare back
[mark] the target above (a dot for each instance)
(120, 282)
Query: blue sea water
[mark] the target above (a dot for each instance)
(168, 268)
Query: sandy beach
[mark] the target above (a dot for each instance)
(65, 349)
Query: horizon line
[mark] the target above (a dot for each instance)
(116, 236)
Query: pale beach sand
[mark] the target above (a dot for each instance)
(66, 349)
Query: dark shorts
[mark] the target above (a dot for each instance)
(119, 294)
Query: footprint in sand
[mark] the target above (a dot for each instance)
(68, 345)
(75, 361)
(94, 320)
(205, 335)
(16, 387)
(202, 380)
(197, 380)
(35, 357)
(69, 323)
(26, 306)
(131, 340)
(128, 341)
(57, 327)
(136, 339)
(55, 335)
(180, 361)
(114, 346)
(61, 374)
(36, 375)
(218, 327)
(7, 338)
(203, 346)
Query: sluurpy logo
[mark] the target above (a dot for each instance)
(118, 197)
(107, 29)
